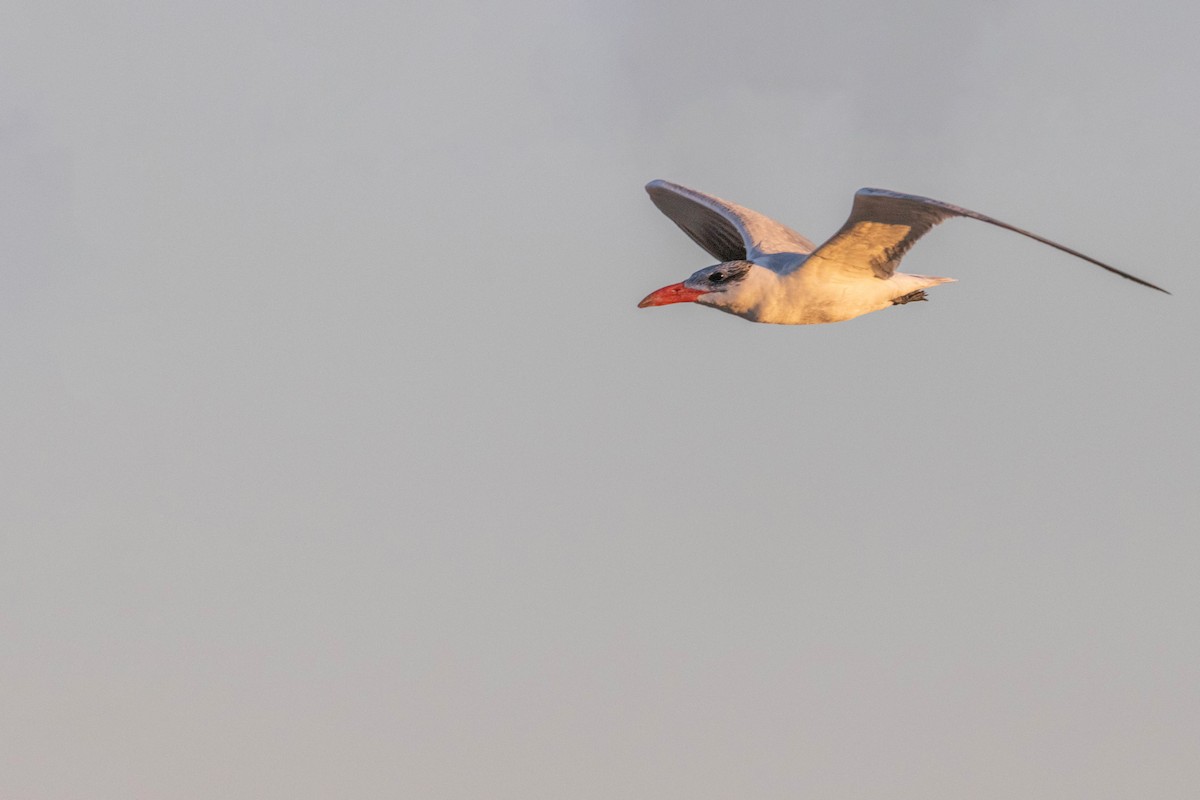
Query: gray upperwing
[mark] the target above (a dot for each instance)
(726, 230)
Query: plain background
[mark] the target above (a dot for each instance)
(338, 461)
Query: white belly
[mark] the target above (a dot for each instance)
(801, 302)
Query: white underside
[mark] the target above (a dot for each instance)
(797, 299)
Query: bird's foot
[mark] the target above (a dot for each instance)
(911, 297)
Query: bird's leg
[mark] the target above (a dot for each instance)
(919, 294)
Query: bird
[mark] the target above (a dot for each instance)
(769, 273)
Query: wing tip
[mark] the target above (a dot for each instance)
(1133, 278)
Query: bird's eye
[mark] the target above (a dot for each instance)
(717, 277)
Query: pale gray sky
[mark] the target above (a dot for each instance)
(340, 463)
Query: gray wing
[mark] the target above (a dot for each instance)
(726, 230)
(884, 225)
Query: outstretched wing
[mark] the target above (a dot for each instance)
(884, 225)
(726, 230)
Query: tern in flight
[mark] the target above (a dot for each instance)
(770, 273)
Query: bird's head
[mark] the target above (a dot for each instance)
(715, 286)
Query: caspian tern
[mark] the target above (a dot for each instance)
(770, 273)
